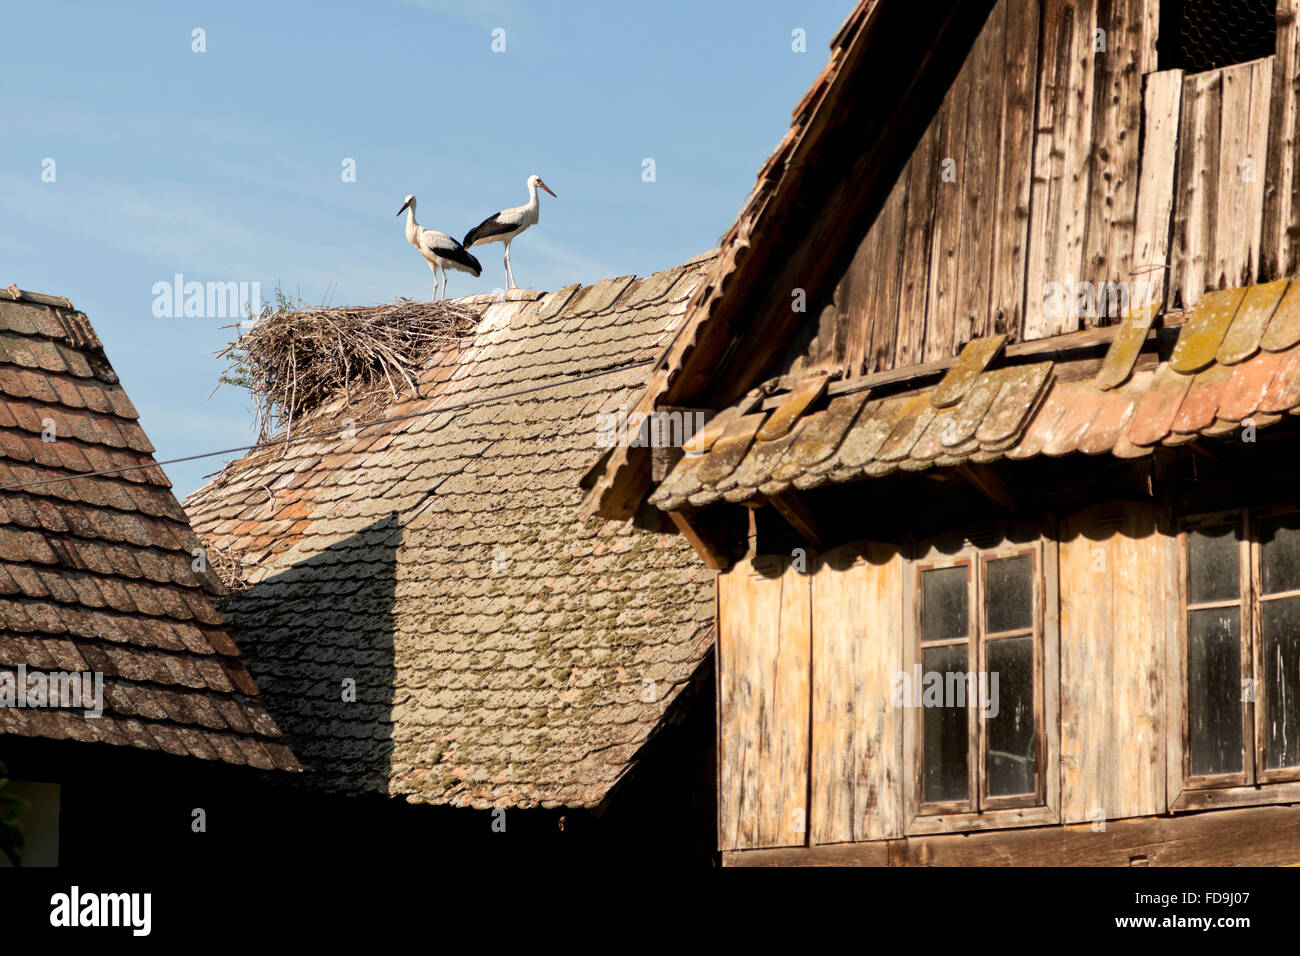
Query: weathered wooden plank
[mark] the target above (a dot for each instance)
(857, 733)
(1051, 669)
(1251, 836)
(1062, 145)
(1014, 169)
(1114, 156)
(1148, 59)
(974, 359)
(872, 299)
(1202, 334)
(950, 202)
(764, 703)
(1242, 155)
(1155, 199)
(1135, 784)
(1175, 665)
(1124, 349)
(786, 767)
(1241, 341)
(1196, 198)
(914, 269)
(987, 59)
(1220, 204)
(749, 605)
(1112, 578)
(1280, 226)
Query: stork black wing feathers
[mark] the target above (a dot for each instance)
(461, 254)
(491, 226)
(443, 245)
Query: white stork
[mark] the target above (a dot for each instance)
(440, 250)
(508, 223)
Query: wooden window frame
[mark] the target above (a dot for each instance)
(1257, 517)
(979, 811)
(1254, 784)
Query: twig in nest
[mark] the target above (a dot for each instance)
(296, 362)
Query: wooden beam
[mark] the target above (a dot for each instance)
(710, 550)
(1054, 347)
(986, 481)
(1256, 836)
(794, 511)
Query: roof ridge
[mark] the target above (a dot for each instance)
(16, 294)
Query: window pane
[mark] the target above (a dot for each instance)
(1010, 716)
(1280, 629)
(1214, 690)
(946, 734)
(1213, 559)
(944, 600)
(1280, 554)
(1009, 594)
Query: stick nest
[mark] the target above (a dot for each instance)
(294, 361)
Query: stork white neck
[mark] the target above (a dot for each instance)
(412, 227)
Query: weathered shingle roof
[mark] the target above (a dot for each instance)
(95, 572)
(505, 651)
(1236, 359)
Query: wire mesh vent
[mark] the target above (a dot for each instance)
(1200, 35)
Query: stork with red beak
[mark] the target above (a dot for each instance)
(508, 223)
(440, 250)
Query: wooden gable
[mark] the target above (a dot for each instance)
(1063, 172)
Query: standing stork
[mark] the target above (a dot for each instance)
(440, 250)
(508, 223)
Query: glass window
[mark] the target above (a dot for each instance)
(979, 653)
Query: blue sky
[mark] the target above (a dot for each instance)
(226, 165)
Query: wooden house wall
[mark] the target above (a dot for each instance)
(820, 647)
(763, 704)
(1117, 585)
(857, 741)
(1070, 165)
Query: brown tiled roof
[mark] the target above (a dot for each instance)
(1237, 358)
(505, 651)
(96, 572)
